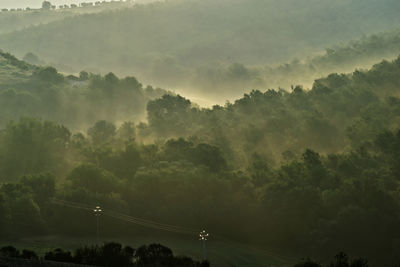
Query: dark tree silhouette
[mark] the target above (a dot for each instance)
(308, 263)
(9, 251)
(29, 255)
(59, 255)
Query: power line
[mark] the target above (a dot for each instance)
(130, 219)
(167, 227)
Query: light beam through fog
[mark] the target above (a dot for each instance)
(109, 133)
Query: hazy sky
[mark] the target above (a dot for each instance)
(34, 3)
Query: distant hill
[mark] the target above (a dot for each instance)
(160, 42)
(19, 19)
(234, 79)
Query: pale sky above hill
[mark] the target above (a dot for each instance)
(34, 3)
(38, 3)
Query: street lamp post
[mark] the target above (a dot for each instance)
(97, 212)
(203, 237)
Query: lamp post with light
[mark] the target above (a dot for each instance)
(97, 212)
(204, 237)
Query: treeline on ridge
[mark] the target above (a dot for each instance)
(173, 43)
(29, 90)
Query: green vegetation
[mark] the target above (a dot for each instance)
(28, 90)
(197, 45)
(299, 170)
(339, 111)
(306, 172)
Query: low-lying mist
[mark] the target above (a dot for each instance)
(190, 47)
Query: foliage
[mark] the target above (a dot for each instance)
(340, 110)
(28, 90)
(46, 5)
(310, 172)
(110, 255)
(175, 43)
(32, 146)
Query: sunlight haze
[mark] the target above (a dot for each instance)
(200, 133)
(33, 3)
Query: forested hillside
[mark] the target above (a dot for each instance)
(230, 80)
(339, 110)
(166, 43)
(240, 133)
(24, 18)
(78, 102)
(311, 172)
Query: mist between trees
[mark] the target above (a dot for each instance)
(190, 47)
(311, 172)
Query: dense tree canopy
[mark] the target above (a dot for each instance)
(308, 171)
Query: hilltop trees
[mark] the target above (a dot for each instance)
(169, 115)
(48, 75)
(46, 5)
